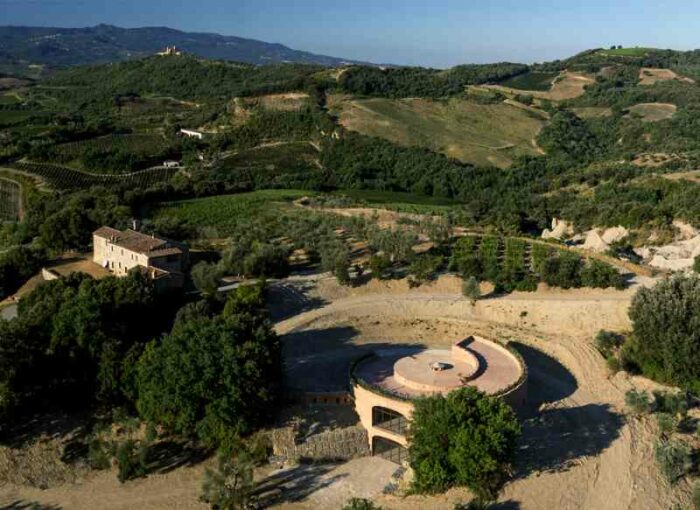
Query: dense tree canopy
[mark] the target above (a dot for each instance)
(76, 339)
(215, 377)
(666, 331)
(463, 439)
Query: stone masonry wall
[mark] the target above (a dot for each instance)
(342, 444)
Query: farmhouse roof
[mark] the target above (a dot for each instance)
(137, 242)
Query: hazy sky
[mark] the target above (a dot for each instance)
(437, 33)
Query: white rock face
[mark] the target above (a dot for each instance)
(560, 229)
(615, 234)
(595, 242)
(677, 256)
(686, 230)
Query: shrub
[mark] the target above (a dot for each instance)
(675, 404)
(129, 461)
(638, 402)
(98, 456)
(424, 267)
(378, 264)
(667, 424)
(607, 342)
(696, 496)
(674, 459)
(613, 364)
(600, 274)
(463, 439)
(471, 289)
(360, 504)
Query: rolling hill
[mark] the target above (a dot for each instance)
(60, 47)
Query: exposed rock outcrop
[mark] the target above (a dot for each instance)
(559, 230)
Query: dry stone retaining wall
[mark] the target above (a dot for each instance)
(341, 444)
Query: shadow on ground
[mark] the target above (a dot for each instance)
(168, 455)
(319, 360)
(292, 297)
(295, 484)
(28, 505)
(554, 439)
(547, 380)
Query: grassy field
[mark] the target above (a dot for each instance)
(531, 81)
(481, 134)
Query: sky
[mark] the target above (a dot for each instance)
(437, 33)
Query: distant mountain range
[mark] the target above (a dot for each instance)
(21, 47)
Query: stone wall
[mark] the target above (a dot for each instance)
(341, 444)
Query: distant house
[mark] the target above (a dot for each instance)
(171, 164)
(162, 260)
(170, 50)
(192, 134)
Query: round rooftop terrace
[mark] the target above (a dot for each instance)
(412, 373)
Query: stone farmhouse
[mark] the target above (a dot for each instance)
(163, 260)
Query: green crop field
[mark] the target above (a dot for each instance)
(481, 134)
(226, 213)
(12, 117)
(141, 144)
(531, 81)
(283, 165)
(626, 52)
(399, 201)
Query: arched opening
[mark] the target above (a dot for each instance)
(390, 420)
(389, 450)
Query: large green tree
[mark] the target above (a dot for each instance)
(463, 439)
(666, 331)
(215, 377)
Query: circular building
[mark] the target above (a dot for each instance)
(386, 382)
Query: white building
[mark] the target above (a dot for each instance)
(191, 133)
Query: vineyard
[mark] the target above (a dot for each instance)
(517, 264)
(10, 200)
(140, 144)
(64, 178)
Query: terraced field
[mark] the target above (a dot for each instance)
(65, 178)
(481, 134)
(143, 144)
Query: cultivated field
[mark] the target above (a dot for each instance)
(66, 178)
(568, 85)
(652, 112)
(481, 134)
(651, 75)
(10, 200)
